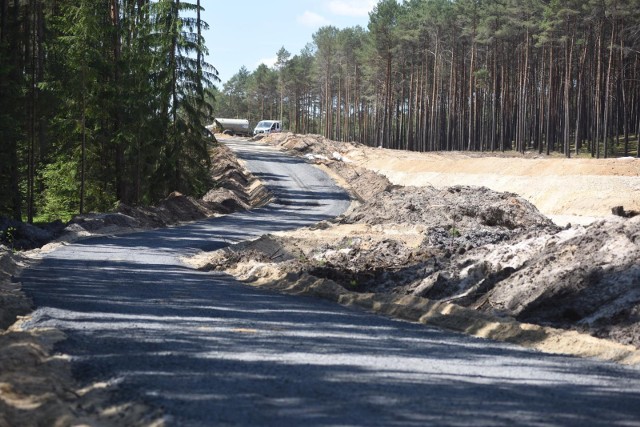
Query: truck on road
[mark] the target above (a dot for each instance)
(238, 127)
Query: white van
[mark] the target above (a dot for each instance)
(267, 126)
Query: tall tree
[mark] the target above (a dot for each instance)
(476, 75)
(281, 61)
(382, 25)
(326, 39)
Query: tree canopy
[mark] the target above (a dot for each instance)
(101, 102)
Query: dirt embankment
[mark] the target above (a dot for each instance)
(36, 386)
(236, 190)
(488, 252)
(567, 190)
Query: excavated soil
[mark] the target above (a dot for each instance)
(489, 251)
(236, 190)
(566, 190)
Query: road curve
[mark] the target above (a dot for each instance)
(211, 351)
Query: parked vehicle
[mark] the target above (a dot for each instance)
(239, 127)
(268, 126)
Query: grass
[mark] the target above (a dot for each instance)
(46, 219)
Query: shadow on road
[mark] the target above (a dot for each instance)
(214, 351)
(211, 351)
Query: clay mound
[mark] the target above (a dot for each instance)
(364, 184)
(94, 222)
(142, 216)
(580, 278)
(316, 144)
(178, 207)
(236, 190)
(224, 200)
(175, 208)
(21, 236)
(299, 143)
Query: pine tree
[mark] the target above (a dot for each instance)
(11, 112)
(282, 56)
(466, 74)
(382, 26)
(182, 80)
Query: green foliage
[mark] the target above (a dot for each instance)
(114, 104)
(60, 198)
(8, 237)
(184, 160)
(464, 75)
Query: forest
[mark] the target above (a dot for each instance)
(107, 102)
(484, 75)
(101, 102)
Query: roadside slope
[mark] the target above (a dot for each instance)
(492, 252)
(568, 190)
(37, 386)
(558, 187)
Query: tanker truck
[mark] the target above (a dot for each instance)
(238, 127)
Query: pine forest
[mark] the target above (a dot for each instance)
(484, 75)
(101, 101)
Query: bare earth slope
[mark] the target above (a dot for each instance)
(472, 245)
(568, 190)
(562, 188)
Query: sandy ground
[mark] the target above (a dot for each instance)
(567, 190)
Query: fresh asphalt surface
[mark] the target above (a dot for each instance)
(211, 351)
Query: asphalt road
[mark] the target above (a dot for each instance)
(211, 351)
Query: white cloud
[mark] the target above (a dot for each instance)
(352, 7)
(269, 62)
(311, 19)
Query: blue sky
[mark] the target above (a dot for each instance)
(248, 32)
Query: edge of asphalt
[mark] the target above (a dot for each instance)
(438, 314)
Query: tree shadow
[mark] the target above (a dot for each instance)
(212, 351)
